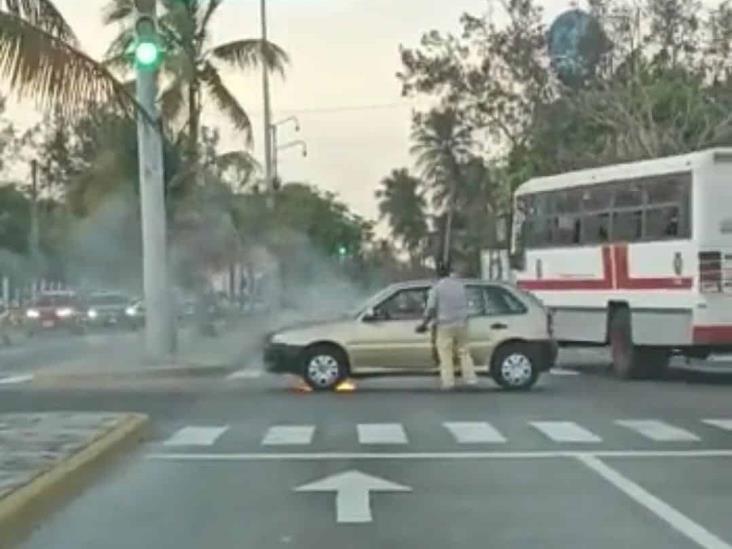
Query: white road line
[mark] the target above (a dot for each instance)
(565, 431)
(725, 424)
(292, 435)
(678, 521)
(12, 380)
(381, 433)
(660, 431)
(474, 432)
(563, 372)
(245, 374)
(432, 456)
(196, 436)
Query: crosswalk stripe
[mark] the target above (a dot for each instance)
(289, 435)
(474, 432)
(660, 431)
(381, 433)
(725, 424)
(196, 436)
(245, 374)
(12, 380)
(565, 431)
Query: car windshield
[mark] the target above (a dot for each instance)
(55, 301)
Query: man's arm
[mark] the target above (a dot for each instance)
(430, 311)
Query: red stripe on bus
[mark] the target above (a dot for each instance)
(604, 283)
(712, 334)
(627, 282)
(616, 275)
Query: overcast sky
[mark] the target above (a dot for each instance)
(341, 82)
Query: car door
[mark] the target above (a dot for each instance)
(387, 339)
(496, 315)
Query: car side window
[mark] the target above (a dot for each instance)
(404, 305)
(499, 301)
(476, 303)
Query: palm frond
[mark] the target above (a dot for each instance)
(250, 53)
(226, 101)
(241, 160)
(210, 10)
(36, 63)
(117, 10)
(120, 43)
(42, 14)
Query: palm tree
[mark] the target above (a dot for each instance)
(402, 203)
(40, 57)
(441, 143)
(191, 67)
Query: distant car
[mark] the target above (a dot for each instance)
(60, 310)
(510, 338)
(135, 314)
(106, 308)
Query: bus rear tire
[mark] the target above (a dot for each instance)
(632, 361)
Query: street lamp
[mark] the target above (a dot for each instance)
(298, 143)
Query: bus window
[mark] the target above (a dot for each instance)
(627, 226)
(673, 189)
(596, 228)
(599, 198)
(662, 223)
(568, 201)
(628, 194)
(567, 230)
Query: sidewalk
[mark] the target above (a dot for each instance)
(43, 454)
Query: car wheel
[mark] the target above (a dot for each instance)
(514, 366)
(324, 367)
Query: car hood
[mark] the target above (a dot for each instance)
(304, 333)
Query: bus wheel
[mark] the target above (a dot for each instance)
(624, 353)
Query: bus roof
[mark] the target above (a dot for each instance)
(619, 172)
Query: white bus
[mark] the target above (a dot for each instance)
(636, 255)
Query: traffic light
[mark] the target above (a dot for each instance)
(147, 50)
(342, 251)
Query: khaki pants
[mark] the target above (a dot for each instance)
(452, 341)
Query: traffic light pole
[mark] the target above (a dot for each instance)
(268, 175)
(158, 317)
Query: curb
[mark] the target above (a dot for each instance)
(22, 507)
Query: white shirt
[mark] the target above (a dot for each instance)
(449, 299)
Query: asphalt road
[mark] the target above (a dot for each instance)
(584, 460)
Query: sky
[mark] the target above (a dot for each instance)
(341, 82)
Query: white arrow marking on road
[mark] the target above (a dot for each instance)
(353, 493)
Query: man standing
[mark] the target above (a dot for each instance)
(447, 306)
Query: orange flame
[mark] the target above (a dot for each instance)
(346, 386)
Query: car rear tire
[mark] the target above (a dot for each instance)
(514, 366)
(324, 367)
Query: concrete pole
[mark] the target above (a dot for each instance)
(34, 229)
(158, 319)
(268, 175)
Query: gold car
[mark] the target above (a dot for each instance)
(510, 338)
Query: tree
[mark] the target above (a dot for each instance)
(402, 203)
(191, 67)
(40, 57)
(441, 143)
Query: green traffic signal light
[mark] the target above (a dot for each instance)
(342, 251)
(147, 54)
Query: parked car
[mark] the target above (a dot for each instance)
(106, 308)
(510, 338)
(135, 314)
(61, 310)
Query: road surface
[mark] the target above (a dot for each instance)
(584, 460)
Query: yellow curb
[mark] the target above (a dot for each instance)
(21, 506)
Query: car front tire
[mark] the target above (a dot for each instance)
(324, 367)
(514, 367)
